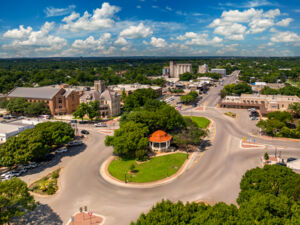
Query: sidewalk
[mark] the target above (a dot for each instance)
(83, 218)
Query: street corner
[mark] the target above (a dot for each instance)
(200, 108)
(86, 218)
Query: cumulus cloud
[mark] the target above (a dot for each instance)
(121, 41)
(235, 24)
(139, 31)
(101, 18)
(199, 39)
(286, 36)
(27, 40)
(284, 22)
(51, 11)
(158, 42)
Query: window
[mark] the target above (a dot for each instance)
(59, 106)
(59, 100)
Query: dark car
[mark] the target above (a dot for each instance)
(6, 117)
(291, 159)
(73, 121)
(82, 122)
(1, 115)
(85, 132)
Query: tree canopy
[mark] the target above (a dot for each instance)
(269, 195)
(236, 89)
(20, 106)
(15, 199)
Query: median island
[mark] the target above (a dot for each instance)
(154, 169)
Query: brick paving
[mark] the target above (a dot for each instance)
(84, 219)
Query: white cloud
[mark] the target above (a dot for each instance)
(18, 33)
(139, 31)
(258, 25)
(199, 39)
(26, 41)
(51, 11)
(91, 42)
(121, 41)
(284, 22)
(235, 31)
(286, 36)
(138, 7)
(158, 42)
(228, 48)
(169, 8)
(101, 18)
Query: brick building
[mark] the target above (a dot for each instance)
(59, 100)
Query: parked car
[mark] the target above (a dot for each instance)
(82, 122)
(291, 159)
(61, 150)
(74, 143)
(85, 132)
(22, 170)
(100, 125)
(73, 121)
(6, 117)
(1, 115)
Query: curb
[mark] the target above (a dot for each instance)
(109, 178)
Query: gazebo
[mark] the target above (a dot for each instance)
(159, 141)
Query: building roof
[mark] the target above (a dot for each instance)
(160, 136)
(40, 92)
(8, 128)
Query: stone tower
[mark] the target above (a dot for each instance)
(99, 86)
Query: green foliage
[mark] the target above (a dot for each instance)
(46, 185)
(130, 141)
(278, 124)
(20, 106)
(236, 89)
(187, 76)
(138, 98)
(190, 97)
(90, 109)
(3, 103)
(34, 144)
(175, 90)
(191, 135)
(295, 109)
(286, 90)
(266, 156)
(269, 195)
(15, 199)
(215, 76)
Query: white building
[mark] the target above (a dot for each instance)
(9, 130)
(178, 69)
(220, 71)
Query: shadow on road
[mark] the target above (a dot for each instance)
(42, 215)
(204, 144)
(72, 151)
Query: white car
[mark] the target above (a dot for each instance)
(74, 143)
(100, 125)
(61, 150)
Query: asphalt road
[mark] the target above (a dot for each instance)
(215, 177)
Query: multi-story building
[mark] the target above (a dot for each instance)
(265, 103)
(220, 71)
(109, 101)
(166, 71)
(203, 69)
(59, 100)
(177, 69)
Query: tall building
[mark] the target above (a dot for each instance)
(203, 69)
(166, 71)
(177, 69)
(109, 101)
(220, 71)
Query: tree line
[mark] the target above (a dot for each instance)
(268, 195)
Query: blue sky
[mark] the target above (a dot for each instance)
(51, 28)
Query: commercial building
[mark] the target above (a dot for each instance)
(166, 71)
(258, 86)
(220, 71)
(265, 103)
(180, 68)
(130, 88)
(9, 130)
(203, 69)
(109, 101)
(60, 101)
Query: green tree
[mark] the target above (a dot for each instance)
(15, 200)
(93, 110)
(130, 141)
(295, 109)
(186, 76)
(17, 105)
(81, 111)
(139, 98)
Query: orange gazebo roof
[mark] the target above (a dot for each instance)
(160, 136)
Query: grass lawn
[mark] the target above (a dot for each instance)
(47, 185)
(156, 168)
(202, 122)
